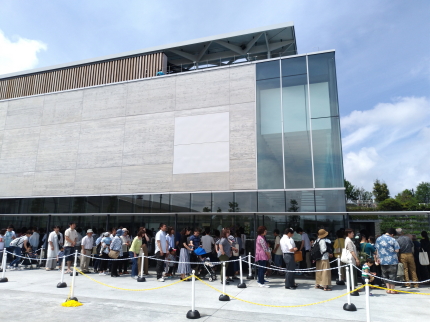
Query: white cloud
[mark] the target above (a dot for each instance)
(18, 55)
(390, 142)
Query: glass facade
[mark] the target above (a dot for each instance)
(298, 131)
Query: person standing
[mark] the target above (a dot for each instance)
(305, 247)
(323, 274)
(145, 251)
(104, 251)
(126, 243)
(339, 244)
(135, 252)
(116, 246)
(288, 247)
(350, 246)
(86, 249)
(161, 248)
(407, 257)
(8, 237)
(277, 250)
(387, 248)
(34, 239)
(71, 237)
(184, 267)
(2, 249)
(224, 252)
(171, 237)
(53, 249)
(262, 255)
(425, 247)
(208, 242)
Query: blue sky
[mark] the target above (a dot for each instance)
(382, 53)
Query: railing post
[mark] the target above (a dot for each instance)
(242, 284)
(72, 289)
(250, 277)
(348, 306)
(193, 313)
(351, 271)
(141, 278)
(62, 284)
(223, 297)
(339, 280)
(367, 300)
(4, 264)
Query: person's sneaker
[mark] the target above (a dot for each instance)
(266, 281)
(161, 280)
(416, 286)
(226, 283)
(11, 268)
(102, 274)
(106, 273)
(408, 287)
(134, 277)
(264, 285)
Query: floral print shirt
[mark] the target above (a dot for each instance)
(387, 246)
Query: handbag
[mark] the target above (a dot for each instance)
(400, 272)
(113, 254)
(424, 258)
(298, 256)
(346, 256)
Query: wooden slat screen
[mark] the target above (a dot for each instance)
(83, 76)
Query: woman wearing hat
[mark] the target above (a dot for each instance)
(116, 246)
(104, 251)
(126, 243)
(323, 278)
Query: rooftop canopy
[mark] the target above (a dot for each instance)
(235, 47)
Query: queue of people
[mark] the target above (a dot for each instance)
(174, 252)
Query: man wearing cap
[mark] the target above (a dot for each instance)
(86, 250)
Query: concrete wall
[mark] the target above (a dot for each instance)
(119, 139)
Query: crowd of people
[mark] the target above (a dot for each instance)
(112, 252)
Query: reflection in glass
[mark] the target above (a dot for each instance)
(160, 203)
(9, 206)
(125, 204)
(327, 153)
(245, 201)
(142, 204)
(297, 147)
(109, 204)
(267, 70)
(271, 201)
(223, 202)
(269, 135)
(300, 201)
(94, 204)
(201, 202)
(180, 202)
(64, 205)
(49, 205)
(330, 200)
(294, 66)
(323, 86)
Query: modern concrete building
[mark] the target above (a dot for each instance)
(236, 130)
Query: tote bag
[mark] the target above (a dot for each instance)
(346, 256)
(424, 258)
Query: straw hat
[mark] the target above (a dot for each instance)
(322, 233)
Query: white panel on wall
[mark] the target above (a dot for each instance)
(202, 128)
(202, 143)
(200, 158)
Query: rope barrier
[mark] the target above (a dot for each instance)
(284, 270)
(277, 306)
(37, 259)
(131, 289)
(394, 282)
(384, 288)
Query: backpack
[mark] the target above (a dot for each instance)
(363, 256)
(316, 251)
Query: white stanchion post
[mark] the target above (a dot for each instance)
(348, 306)
(242, 284)
(351, 271)
(62, 284)
(367, 301)
(72, 289)
(339, 280)
(193, 313)
(4, 264)
(141, 278)
(250, 277)
(223, 297)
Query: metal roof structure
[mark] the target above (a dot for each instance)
(252, 44)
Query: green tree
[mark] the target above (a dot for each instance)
(390, 205)
(294, 206)
(380, 191)
(422, 193)
(351, 192)
(362, 194)
(406, 196)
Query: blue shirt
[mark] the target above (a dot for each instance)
(160, 73)
(387, 247)
(196, 241)
(171, 240)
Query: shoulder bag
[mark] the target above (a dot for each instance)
(113, 254)
(346, 256)
(424, 258)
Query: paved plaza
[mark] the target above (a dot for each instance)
(32, 294)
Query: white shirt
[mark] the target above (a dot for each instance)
(287, 243)
(305, 239)
(72, 235)
(87, 242)
(161, 236)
